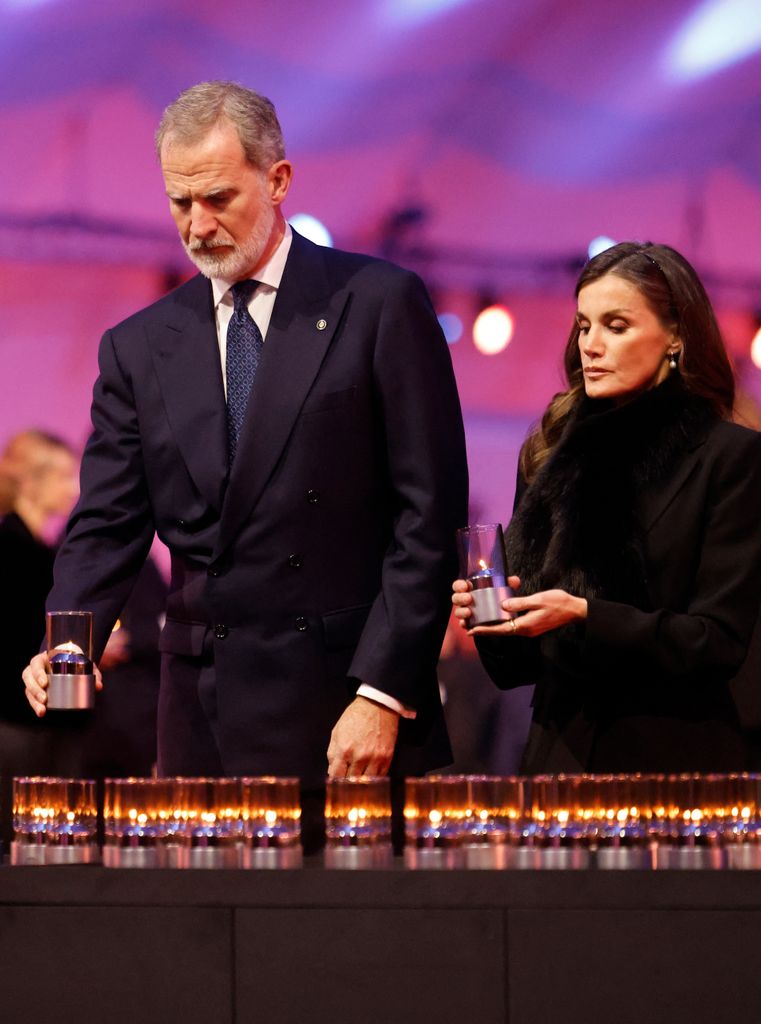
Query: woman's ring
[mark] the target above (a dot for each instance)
(513, 626)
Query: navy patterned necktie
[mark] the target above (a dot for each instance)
(244, 350)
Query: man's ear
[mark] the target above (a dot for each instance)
(279, 179)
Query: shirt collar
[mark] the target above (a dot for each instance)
(270, 274)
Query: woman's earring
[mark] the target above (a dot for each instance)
(672, 361)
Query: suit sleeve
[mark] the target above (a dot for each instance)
(425, 453)
(711, 637)
(111, 528)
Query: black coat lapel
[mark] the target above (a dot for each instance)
(304, 321)
(655, 500)
(186, 358)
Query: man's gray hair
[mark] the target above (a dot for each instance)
(199, 109)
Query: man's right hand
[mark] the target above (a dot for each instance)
(35, 677)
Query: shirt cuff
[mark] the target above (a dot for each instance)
(388, 702)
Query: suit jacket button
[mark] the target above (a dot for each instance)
(301, 624)
(313, 496)
(294, 561)
(212, 570)
(220, 631)
(181, 524)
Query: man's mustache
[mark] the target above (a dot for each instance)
(202, 245)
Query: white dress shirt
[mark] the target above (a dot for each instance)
(260, 306)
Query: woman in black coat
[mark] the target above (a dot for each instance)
(635, 546)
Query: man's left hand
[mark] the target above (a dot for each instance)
(363, 740)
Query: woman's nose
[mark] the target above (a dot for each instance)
(591, 342)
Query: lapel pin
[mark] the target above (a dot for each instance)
(321, 325)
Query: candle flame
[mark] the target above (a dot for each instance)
(69, 648)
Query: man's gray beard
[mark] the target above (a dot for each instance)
(231, 266)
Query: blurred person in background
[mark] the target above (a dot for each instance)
(487, 727)
(635, 545)
(38, 485)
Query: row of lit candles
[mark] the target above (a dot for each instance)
(441, 813)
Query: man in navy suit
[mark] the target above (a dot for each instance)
(311, 567)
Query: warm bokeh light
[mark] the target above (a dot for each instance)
(599, 244)
(717, 33)
(312, 228)
(755, 349)
(493, 330)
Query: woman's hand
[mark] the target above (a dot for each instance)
(462, 599)
(540, 613)
(532, 615)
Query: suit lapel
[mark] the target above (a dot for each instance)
(655, 501)
(304, 321)
(186, 358)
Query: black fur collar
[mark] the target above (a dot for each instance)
(575, 527)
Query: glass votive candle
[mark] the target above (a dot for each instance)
(135, 822)
(175, 813)
(358, 823)
(55, 821)
(73, 838)
(205, 826)
(71, 677)
(741, 831)
(561, 828)
(482, 563)
(32, 816)
(271, 811)
(492, 825)
(688, 836)
(622, 808)
(435, 809)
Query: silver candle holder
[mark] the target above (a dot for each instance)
(492, 825)
(71, 676)
(482, 564)
(54, 821)
(358, 823)
(271, 813)
(435, 809)
(135, 822)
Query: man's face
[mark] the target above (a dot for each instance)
(226, 210)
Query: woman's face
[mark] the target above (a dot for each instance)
(51, 482)
(623, 345)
